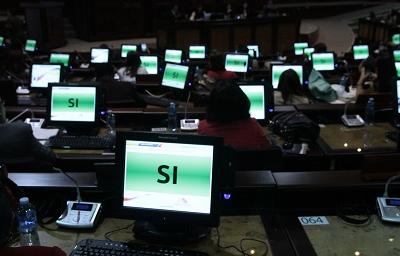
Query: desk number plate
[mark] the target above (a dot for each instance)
(313, 220)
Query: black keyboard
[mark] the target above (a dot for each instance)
(81, 142)
(156, 101)
(104, 248)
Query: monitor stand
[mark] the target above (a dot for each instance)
(169, 233)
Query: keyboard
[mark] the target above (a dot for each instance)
(156, 101)
(80, 142)
(104, 248)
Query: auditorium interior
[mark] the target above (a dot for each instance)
(328, 184)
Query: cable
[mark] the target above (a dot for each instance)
(156, 96)
(109, 233)
(187, 102)
(241, 249)
(78, 192)
(20, 114)
(390, 180)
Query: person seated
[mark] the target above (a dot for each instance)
(290, 91)
(227, 116)
(132, 68)
(217, 68)
(198, 14)
(17, 142)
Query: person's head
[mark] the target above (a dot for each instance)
(289, 84)
(133, 60)
(369, 64)
(320, 47)
(227, 103)
(217, 62)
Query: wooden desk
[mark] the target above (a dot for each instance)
(232, 229)
(338, 139)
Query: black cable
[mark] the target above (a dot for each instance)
(109, 233)
(241, 249)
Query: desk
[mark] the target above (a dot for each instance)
(232, 229)
(338, 139)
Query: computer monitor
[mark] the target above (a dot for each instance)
(298, 48)
(278, 69)
(43, 74)
(60, 58)
(236, 62)
(2, 41)
(197, 52)
(396, 39)
(397, 65)
(99, 55)
(72, 105)
(175, 76)
(396, 55)
(150, 63)
(30, 45)
(174, 56)
(324, 61)
(308, 51)
(360, 52)
(170, 181)
(254, 51)
(261, 99)
(125, 48)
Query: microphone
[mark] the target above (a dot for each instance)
(78, 192)
(20, 114)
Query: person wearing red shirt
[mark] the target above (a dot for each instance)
(217, 68)
(228, 117)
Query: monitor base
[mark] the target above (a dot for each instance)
(169, 233)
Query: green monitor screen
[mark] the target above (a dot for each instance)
(256, 95)
(125, 48)
(150, 63)
(277, 71)
(254, 51)
(298, 48)
(60, 58)
(396, 39)
(396, 55)
(323, 61)
(43, 74)
(99, 55)
(197, 52)
(237, 62)
(73, 104)
(308, 51)
(174, 56)
(397, 64)
(168, 176)
(360, 52)
(30, 45)
(1, 41)
(175, 76)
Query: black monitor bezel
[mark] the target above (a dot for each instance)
(66, 53)
(199, 59)
(237, 53)
(166, 216)
(302, 79)
(73, 124)
(165, 52)
(158, 64)
(120, 55)
(334, 61)
(36, 45)
(396, 96)
(187, 81)
(44, 89)
(94, 63)
(259, 52)
(352, 49)
(268, 97)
